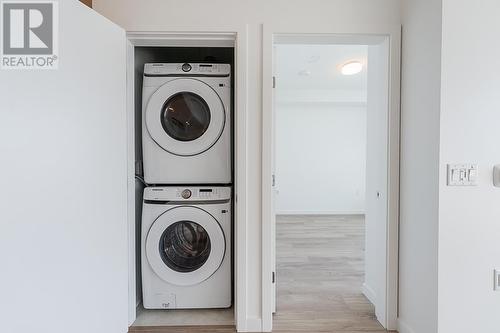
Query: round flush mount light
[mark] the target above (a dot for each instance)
(351, 68)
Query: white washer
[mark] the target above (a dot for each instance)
(186, 123)
(186, 247)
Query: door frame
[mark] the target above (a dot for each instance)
(199, 37)
(350, 32)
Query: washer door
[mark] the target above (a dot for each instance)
(185, 117)
(185, 245)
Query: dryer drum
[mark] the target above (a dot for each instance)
(185, 116)
(185, 246)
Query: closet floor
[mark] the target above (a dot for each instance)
(159, 318)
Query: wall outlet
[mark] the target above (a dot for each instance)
(497, 280)
(496, 175)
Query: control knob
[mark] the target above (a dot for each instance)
(186, 194)
(186, 67)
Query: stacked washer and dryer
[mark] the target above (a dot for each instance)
(186, 219)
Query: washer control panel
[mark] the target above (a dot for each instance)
(207, 193)
(178, 193)
(186, 69)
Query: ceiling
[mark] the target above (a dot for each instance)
(316, 67)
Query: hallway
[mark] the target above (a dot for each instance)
(319, 275)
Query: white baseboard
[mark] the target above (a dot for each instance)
(252, 325)
(305, 212)
(369, 293)
(403, 327)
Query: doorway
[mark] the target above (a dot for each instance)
(330, 202)
(321, 112)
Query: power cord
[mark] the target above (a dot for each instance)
(139, 178)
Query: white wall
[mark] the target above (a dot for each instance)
(455, 102)
(161, 15)
(320, 159)
(469, 218)
(320, 129)
(63, 190)
(421, 79)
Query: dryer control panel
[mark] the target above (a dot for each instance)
(186, 69)
(190, 193)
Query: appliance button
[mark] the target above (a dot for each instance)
(186, 194)
(186, 67)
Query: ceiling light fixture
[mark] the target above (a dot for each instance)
(351, 68)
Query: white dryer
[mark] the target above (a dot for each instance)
(186, 131)
(186, 247)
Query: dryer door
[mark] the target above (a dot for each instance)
(185, 245)
(185, 117)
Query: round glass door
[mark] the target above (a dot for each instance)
(185, 246)
(185, 116)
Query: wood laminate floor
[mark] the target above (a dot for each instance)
(320, 272)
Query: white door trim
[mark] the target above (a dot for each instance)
(201, 36)
(343, 32)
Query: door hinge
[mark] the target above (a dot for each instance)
(274, 81)
(274, 277)
(274, 180)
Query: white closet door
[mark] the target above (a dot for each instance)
(63, 184)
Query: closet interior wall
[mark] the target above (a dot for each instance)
(146, 54)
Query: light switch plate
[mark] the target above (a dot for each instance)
(462, 174)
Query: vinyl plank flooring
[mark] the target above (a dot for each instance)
(320, 271)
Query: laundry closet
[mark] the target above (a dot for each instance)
(184, 185)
